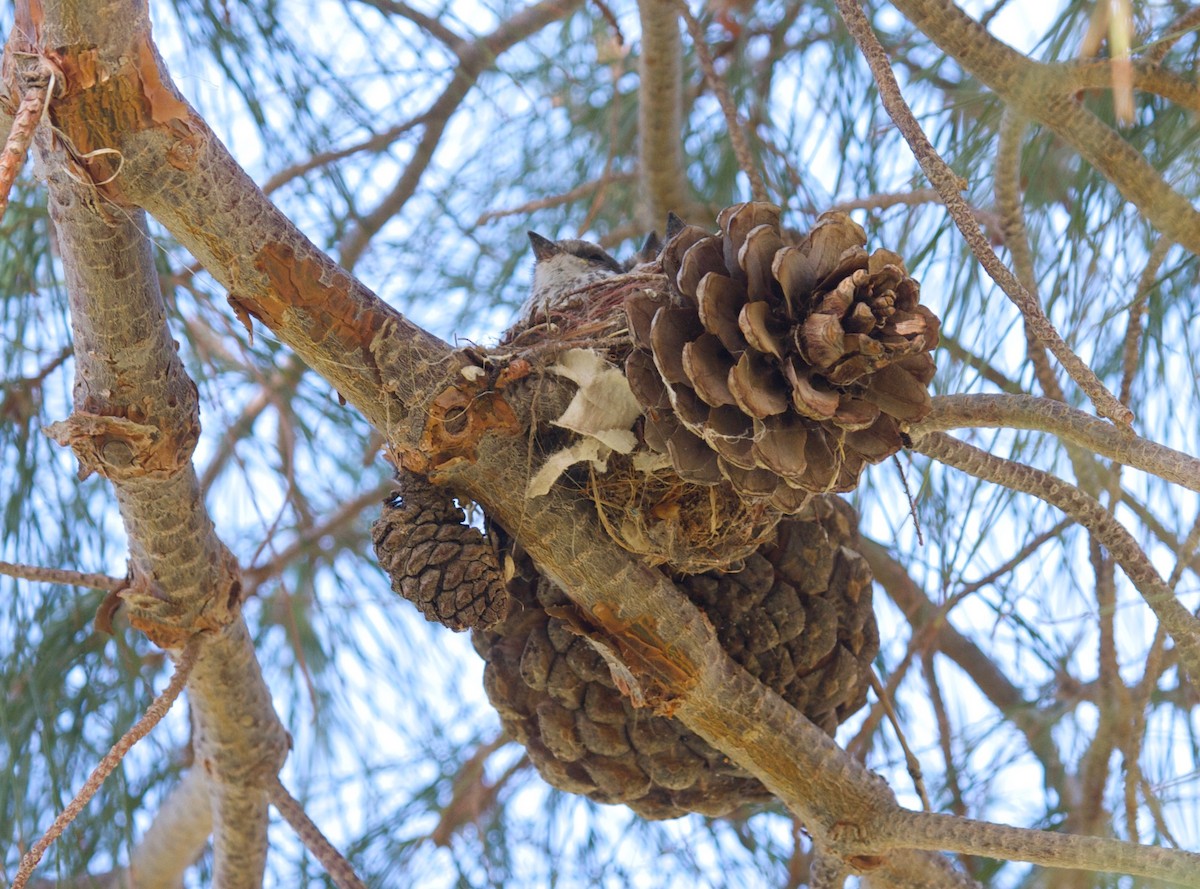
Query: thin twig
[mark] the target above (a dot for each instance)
(339, 869)
(63, 576)
(737, 135)
(474, 59)
(556, 200)
(945, 735)
(910, 758)
(1016, 238)
(884, 201)
(1072, 426)
(1133, 328)
(1183, 626)
(948, 186)
(427, 23)
(16, 146)
(377, 142)
(154, 713)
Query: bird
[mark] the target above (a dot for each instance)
(562, 268)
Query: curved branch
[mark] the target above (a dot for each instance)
(1071, 425)
(925, 830)
(1183, 626)
(1033, 89)
(949, 186)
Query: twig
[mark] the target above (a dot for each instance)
(25, 121)
(63, 576)
(910, 758)
(339, 869)
(611, 18)
(1181, 27)
(737, 135)
(557, 200)
(884, 201)
(474, 58)
(154, 713)
(1133, 328)
(1034, 89)
(1016, 238)
(929, 620)
(426, 23)
(1183, 626)
(1072, 426)
(986, 370)
(948, 186)
(377, 142)
(957, 804)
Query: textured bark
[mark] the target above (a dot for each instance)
(136, 421)
(660, 114)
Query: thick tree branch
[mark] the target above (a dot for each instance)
(660, 114)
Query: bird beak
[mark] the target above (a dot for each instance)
(542, 247)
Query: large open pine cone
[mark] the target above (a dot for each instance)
(798, 617)
(782, 369)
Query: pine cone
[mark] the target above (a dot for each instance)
(782, 369)
(798, 617)
(447, 569)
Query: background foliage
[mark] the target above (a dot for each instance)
(331, 106)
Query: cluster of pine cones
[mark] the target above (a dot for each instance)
(769, 373)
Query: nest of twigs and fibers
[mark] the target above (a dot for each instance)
(763, 368)
(797, 616)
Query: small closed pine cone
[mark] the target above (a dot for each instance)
(782, 369)
(447, 569)
(798, 616)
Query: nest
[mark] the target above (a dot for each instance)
(692, 528)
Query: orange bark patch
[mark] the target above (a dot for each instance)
(298, 284)
(456, 420)
(650, 673)
(121, 449)
(163, 104)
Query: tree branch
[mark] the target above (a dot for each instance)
(924, 830)
(1032, 88)
(1071, 425)
(154, 713)
(1183, 626)
(338, 868)
(948, 187)
(660, 114)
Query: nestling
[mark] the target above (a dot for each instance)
(563, 267)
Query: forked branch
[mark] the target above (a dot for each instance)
(1183, 626)
(948, 187)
